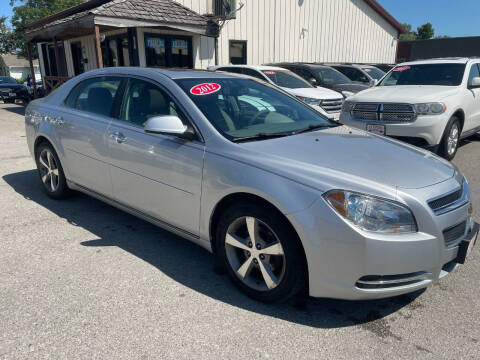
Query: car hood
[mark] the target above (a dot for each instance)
(315, 93)
(11, 86)
(405, 93)
(329, 157)
(352, 87)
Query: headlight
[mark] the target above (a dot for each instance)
(430, 108)
(347, 93)
(370, 213)
(310, 101)
(348, 106)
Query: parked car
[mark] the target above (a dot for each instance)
(325, 76)
(429, 103)
(384, 67)
(11, 90)
(40, 88)
(365, 74)
(285, 198)
(326, 101)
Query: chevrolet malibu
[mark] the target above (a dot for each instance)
(286, 199)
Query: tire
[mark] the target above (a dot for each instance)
(451, 138)
(279, 253)
(50, 172)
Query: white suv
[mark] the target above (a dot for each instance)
(327, 102)
(430, 103)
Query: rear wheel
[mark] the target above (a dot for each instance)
(451, 138)
(50, 172)
(261, 253)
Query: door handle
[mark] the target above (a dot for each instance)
(118, 137)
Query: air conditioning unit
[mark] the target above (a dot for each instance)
(224, 8)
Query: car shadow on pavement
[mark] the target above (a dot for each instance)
(18, 109)
(192, 266)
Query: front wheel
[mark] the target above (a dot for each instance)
(261, 253)
(451, 138)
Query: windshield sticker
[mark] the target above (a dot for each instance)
(402, 68)
(367, 70)
(205, 89)
(269, 72)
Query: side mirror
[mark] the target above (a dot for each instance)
(475, 83)
(168, 125)
(313, 81)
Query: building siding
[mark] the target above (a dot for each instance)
(339, 30)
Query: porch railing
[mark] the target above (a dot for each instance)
(52, 82)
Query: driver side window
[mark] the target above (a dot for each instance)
(144, 100)
(474, 72)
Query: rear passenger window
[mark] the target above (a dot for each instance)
(94, 95)
(144, 100)
(253, 73)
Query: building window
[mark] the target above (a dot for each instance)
(155, 51)
(168, 51)
(238, 52)
(225, 8)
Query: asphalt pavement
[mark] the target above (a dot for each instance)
(81, 279)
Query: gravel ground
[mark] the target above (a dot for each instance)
(80, 279)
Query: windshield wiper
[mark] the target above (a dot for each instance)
(314, 127)
(260, 136)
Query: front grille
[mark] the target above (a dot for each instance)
(446, 200)
(384, 112)
(451, 235)
(332, 106)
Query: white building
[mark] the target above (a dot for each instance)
(183, 33)
(18, 67)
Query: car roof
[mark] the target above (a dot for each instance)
(171, 73)
(254, 67)
(452, 60)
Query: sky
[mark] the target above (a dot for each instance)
(448, 17)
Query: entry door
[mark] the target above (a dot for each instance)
(158, 175)
(77, 57)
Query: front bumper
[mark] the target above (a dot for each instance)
(347, 263)
(424, 131)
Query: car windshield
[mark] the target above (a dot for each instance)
(375, 73)
(242, 109)
(425, 74)
(331, 76)
(7, 80)
(286, 79)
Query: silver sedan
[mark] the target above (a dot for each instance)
(284, 198)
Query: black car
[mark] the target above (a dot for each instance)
(366, 74)
(325, 76)
(11, 90)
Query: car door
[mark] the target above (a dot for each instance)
(158, 175)
(473, 100)
(84, 118)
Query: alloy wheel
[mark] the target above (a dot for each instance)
(452, 141)
(48, 170)
(255, 253)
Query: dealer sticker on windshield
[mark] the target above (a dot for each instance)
(402, 68)
(205, 89)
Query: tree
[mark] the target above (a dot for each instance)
(27, 11)
(425, 31)
(410, 35)
(7, 40)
